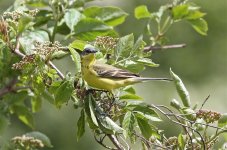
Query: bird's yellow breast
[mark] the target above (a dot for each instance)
(93, 80)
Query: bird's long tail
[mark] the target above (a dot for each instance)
(139, 79)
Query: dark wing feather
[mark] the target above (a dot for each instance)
(109, 71)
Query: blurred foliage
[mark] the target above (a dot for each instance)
(36, 25)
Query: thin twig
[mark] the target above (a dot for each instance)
(155, 48)
(204, 102)
(115, 141)
(101, 143)
(179, 123)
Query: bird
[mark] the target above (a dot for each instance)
(107, 77)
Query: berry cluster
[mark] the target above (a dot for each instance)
(28, 59)
(46, 49)
(208, 116)
(26, 141)
(106, 42)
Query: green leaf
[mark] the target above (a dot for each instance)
(38, 135)
(23, 23)
(190, 114)
(142, 12)
(81, 125)
(222, 122)
(42, 17)
(107, 125)
(112, 16)
(4, 122)
(24, 115)
(72, 17)
(78, 44)
(195, 14)
(29, 38)
(130, 96)
(36, 103)
(63, 93)
(129, 89)
(58, 54)
(147, 62)
(199, 25)
(89, 109)
(76, 59)
(180, 11)
(124, 46)
(139, 46)
(147, 113)
(133, 66)
(37, 3)
(88, 29)
(128, 124)
(181, 142)
(181, 89)
(145, 128)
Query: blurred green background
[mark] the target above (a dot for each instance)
(202, 65)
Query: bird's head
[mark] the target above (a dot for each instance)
(88, 53)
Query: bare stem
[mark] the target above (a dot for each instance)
(115, 141)
(154, 48)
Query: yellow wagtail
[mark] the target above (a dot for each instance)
(106, 77)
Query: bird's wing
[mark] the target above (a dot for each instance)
(108, 71)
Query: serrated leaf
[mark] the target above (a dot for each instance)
(124, 46)
(222, 122)
(63, 93)
(145, 128)
(88, 29)
(38, 135)
(180, 11)
(139, 46)
(142, 12)
(130, 96)
(181, 89)
(72, 17)
(112, 16)
(147, 113)
(81, 125)
(200, 25)
(147, 62)
(128, 124)
(76, 59)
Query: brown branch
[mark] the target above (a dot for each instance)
(101, 142)
(155, 48)
(8, 88)
(115, 141)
